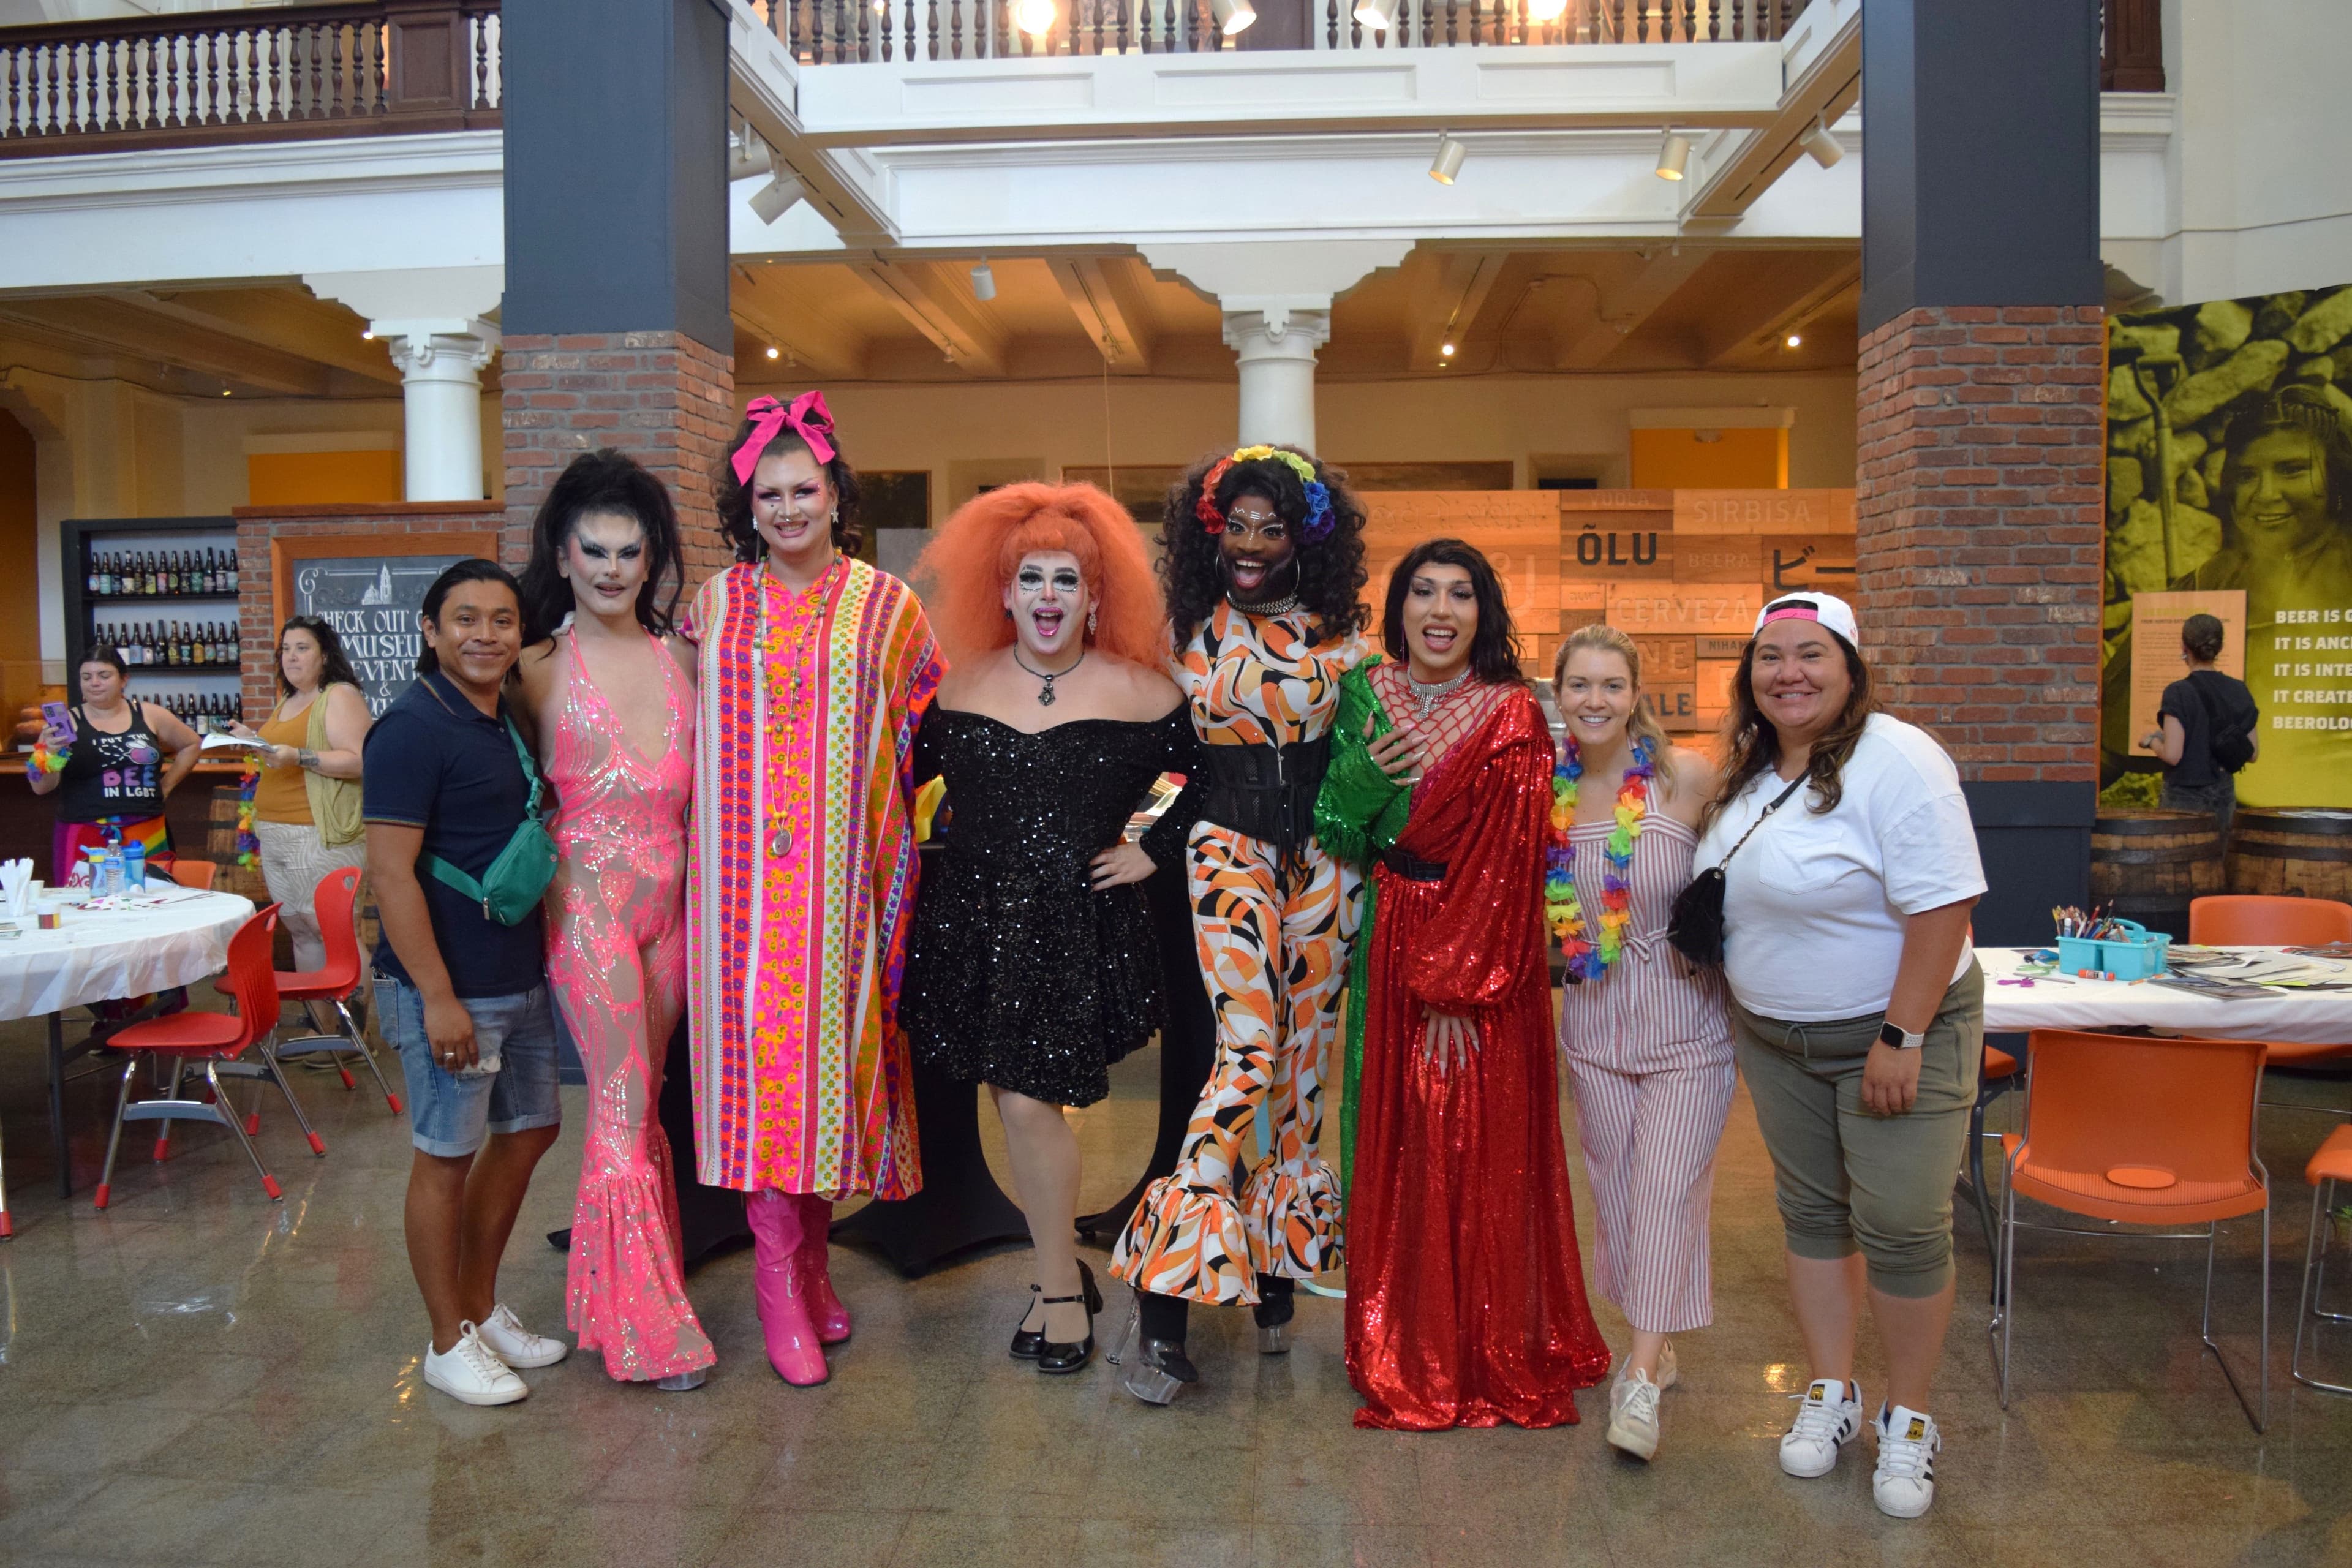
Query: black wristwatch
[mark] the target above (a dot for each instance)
(1902, 1039)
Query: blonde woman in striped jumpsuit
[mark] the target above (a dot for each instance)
(1647, 1042)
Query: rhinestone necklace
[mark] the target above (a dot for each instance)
(1427, 695)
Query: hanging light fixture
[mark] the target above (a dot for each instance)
(1034, 17)
(1547, 11)
(983, 282)
(1380, 16)
(1448, 162)
(1674, 157)
(774, 352)
(1822, 145)
(777, 197)
(1234, 15)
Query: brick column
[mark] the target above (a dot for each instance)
(662, 397)
(1978, 550)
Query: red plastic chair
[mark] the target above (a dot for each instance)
(336, 983)
(2138, 1131)
(217, 1042)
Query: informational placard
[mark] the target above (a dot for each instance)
(2156, 647)
(371, 589)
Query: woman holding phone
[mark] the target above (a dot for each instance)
(110, 765)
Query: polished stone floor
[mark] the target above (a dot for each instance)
(200, 1375)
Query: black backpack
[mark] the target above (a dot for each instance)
(2232, 746)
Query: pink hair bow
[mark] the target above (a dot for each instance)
(806, 414)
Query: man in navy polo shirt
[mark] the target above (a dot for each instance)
(462, 997)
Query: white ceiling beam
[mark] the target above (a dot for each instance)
(1620, 311)
(940, 309)
(1825, 67)
(764, 87)
(1447, 306)
(1101, 295)
(826, 348)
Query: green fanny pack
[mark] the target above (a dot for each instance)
(518, 878)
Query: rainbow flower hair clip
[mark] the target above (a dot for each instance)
(1319, 519)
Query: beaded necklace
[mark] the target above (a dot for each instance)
(1589, 956)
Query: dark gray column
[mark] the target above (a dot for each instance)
(616, 168)
(1978, 506)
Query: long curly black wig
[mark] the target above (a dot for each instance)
(1330, 570)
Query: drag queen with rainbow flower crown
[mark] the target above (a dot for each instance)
(1466, 1296)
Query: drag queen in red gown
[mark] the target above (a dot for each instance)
(1466, 1295)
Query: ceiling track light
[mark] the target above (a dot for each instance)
(778, 196)
(1380, 16)
(748, 154)
(1234, 15)
(774, 352)
(1448, 162)
(983, 282)
(1822, 145)
(1674, 157)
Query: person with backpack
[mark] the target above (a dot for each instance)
(2205, 732)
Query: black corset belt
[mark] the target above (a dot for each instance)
(1268, 794)
(1413, 868)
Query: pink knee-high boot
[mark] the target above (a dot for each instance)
(779, 1286)
(831, 1317)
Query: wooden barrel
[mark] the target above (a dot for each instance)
(2151, 863)
(2302, 853)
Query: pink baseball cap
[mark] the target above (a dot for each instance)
(1827, 608)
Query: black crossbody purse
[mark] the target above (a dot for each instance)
(1695, 927)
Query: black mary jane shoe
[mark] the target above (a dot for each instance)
(1278, 1303)
(1027, 1342)
(1056, 1356)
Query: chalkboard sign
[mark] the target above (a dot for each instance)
(371, 590)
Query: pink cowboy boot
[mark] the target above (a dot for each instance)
(778, 1283)
(831, 1317)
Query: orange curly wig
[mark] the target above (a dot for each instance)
(962, 572)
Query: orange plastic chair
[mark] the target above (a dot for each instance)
(217, 1042)
(2260, 920)
(2331, 1163)
(1998, 1077)
(336, 981)
(190, 872)
(2142, 1132)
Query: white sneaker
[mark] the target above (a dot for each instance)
(518, 1346)
(471, 1372)
(1905, 1483)
(1634, 1415)
(1826, 1422)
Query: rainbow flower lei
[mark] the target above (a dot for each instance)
(1590, 956)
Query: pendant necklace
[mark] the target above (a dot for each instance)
(1427, 694)
(780, 833)
(1045, 696)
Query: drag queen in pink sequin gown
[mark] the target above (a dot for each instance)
(617, 914)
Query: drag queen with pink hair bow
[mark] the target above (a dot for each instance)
(814, 673)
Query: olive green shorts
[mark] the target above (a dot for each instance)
(1846, 1179)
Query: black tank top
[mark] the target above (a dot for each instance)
(112, 775)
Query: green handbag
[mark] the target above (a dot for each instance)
(518, 878)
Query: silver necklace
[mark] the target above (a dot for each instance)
(1426, 695)
(1046, 695)
(1285, 606)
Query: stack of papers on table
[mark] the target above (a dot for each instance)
(2245, 968)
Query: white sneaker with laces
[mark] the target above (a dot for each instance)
(518, 1346)
(1634, 1415)
(1826, 1421)
(471, 1372)
(1905, 1482)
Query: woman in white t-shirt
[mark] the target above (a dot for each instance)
(1858, 1010)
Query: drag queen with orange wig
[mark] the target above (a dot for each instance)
(1034, 965)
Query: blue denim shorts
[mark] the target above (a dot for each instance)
(449, 1116)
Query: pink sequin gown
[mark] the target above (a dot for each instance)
(616, 958)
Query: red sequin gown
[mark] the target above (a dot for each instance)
(1466, 1293)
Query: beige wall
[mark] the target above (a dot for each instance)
(966, 432)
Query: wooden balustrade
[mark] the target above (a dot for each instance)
(285, 73)
(838, 32)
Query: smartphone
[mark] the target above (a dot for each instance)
(59, 716)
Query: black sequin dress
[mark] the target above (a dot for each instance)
(1018, 972)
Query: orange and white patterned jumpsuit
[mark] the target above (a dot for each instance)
(1274, 950)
